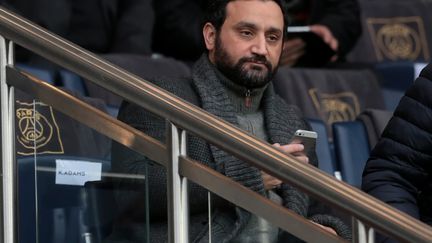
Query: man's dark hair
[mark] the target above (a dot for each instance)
(216, 12)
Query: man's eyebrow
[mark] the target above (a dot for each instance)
(243, 24)
(274, 30)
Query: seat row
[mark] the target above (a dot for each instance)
(378, 87)
(345, 155)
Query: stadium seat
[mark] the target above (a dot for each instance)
(72, 81)
(144, 67)
(352, 150)
(40, 73)
(61, 134)
(401, 32)
(329, 95)
(112, 110)
(374, 121)
(395, 78)
(325, 158)
(60, 207)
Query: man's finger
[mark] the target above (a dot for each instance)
(328, 229)
(269, 181)
(327, 36)
(303, 159)
(292, 148)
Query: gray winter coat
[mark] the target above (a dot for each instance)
(205, 91)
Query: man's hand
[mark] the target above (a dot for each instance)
(270, 182)
(327, 36)
(295, 149)
(292, 50)
(328, 229)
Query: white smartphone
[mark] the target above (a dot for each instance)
(307, 138)
(298, 29)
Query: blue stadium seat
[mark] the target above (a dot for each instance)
(40, 73)
(352, 150)
(112, 110)
(72, 81)
(60, 207)
(395, 78)
(325, 158)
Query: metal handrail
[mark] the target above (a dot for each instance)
(214, 130)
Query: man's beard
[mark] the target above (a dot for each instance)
(254, 77)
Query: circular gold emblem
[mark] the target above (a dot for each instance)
(35, 129)
(338, 111)
(399, 41)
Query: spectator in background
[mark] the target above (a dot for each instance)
(177, 30)
(399, 170)
(101, 26)
(337, 22)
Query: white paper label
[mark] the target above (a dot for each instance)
(75, 172)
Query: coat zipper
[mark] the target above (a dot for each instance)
(248, 99)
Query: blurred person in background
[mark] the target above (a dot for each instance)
(100, 26)
(336, 22)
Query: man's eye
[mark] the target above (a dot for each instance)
(273, 38)
(246, 33)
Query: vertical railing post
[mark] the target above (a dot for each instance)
(185, 194)
(178, 205)
(8, 146)
(362, 233)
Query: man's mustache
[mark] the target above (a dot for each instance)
(257, 59)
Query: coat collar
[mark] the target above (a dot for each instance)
(214, 99)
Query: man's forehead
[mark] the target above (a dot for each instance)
(258, 12)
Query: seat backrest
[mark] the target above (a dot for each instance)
(72, 81)
(48, 201)
(394, 30)
(352, 150)
(374, 121)
(143, 66)
(52, 136)
(324, 153)
(395, 78)
(40, 73)
(329, 95)
(58, 134)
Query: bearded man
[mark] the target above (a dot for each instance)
(232, 80)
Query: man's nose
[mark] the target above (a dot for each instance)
(260, 46)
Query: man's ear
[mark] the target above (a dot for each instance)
(209, 33)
